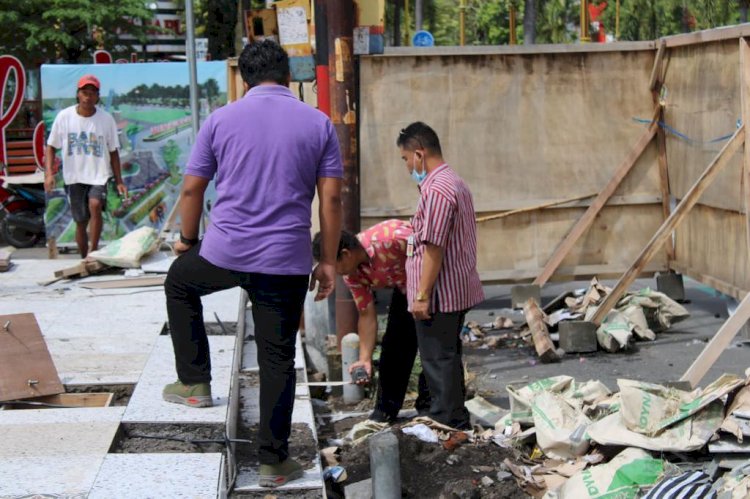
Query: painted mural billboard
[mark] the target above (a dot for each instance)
(151, 107)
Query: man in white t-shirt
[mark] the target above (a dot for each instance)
(88, 139)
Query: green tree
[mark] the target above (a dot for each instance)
(218, 19)
(37, 31)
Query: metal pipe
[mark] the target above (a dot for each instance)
(462, 22)
(192, 66)
(584, 22)
(321, 57)
(418, 17)
(617, 20)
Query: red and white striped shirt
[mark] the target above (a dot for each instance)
(445, 218)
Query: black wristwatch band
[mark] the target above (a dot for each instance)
(185, 240)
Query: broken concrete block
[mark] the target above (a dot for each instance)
(521, 293)
(671, 284)
(578, 336)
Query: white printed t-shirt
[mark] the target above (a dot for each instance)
(86, 144)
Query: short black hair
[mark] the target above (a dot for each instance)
(264, 61)
(419, 135)
(348, 241)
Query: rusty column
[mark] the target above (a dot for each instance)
(340, 14)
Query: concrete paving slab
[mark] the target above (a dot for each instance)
(146, 404)
(225, 304)
(96, 360)
(158, 475)
(54, 451)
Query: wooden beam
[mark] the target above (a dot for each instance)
(655, 81)
(533, 208)
(709, 35)
(132, 282)
(589, 216)
(661, 148)
(718, 343)
(553, 48)
(745, 105)
(669, 225)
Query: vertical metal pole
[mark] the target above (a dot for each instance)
(344, 118)
(418, 16)
(617, 20)
(321, 57)
(462, 22)
(192, 67)
(584, 22)
(512, 27)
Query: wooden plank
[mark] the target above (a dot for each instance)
(135, 282)
(587, 219)
(669, 225)
(67, 400)
(514, 276)
(82, 269)
(545, 349)
(718, 343)
(655, 80)
(533, 208)
(745, 104)
(661, 144)
(26, 367)
(709, 35)
(554, 48)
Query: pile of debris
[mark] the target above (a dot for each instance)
(563, 439)
(565, 320)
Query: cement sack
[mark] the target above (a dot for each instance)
(622, 478)
(660, 310)
(615, 333)
(127, 251)
(560, 426)
(687, 435)
(580, 395)
(648, 408)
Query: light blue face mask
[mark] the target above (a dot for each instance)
(418, 177)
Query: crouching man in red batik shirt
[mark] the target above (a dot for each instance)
(441, 270)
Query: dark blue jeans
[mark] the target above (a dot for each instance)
(277, 307)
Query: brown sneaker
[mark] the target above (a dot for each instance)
(276, 475)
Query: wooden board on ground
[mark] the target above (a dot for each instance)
(83, 269)
(133, 282)
(65, 400)
(539, 333)
(718, 344)
(26, 367)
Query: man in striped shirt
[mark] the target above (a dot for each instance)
(441, 270)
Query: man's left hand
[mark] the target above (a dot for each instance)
(122, 189)
(421, 310)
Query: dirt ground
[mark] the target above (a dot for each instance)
(122, 392)
(148, 438)
(430, 471)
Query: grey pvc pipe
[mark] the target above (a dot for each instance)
(349, 355)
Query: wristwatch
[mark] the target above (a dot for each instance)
(421, 296)
(185, 240)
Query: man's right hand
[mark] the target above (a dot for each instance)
(367, 365)
(325, 275)
(49, 183)
(180, 248)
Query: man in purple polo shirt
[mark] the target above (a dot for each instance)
(267, 152)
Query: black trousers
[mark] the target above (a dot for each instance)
(277, 307)
(440, 350)
(398, 351)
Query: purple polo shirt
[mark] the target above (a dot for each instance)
(266, 152)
